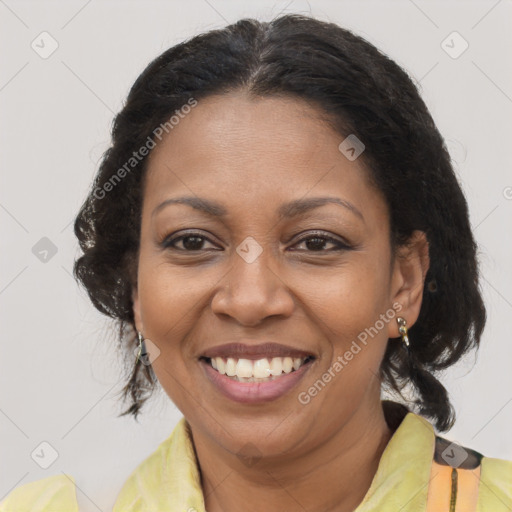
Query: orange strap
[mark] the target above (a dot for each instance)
(452, 489)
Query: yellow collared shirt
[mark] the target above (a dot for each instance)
(401, 483)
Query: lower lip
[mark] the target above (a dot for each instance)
(254, 392)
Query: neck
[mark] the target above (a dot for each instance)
(335, 476)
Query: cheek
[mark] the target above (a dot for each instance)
(170, 298)
(167, 304)
(346, 300)
(352, 311)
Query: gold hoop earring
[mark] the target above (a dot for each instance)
(402, 329)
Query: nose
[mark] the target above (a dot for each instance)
(252, 291)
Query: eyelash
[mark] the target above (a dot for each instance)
(168, 243)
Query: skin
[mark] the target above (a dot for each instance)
(251, 156)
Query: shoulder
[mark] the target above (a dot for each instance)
(496, 482)
(51, 494)
(168, 479)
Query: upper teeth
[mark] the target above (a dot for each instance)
(259, 369)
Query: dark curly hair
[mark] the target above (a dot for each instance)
(361, 91)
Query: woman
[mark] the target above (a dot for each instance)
(280, 234)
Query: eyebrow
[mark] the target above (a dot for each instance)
(287, 210)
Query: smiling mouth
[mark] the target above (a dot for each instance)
(259, 370)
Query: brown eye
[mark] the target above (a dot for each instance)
(318, 241)
(191, 242)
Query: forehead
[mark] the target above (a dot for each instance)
(236, 147)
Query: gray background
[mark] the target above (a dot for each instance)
(59, 375)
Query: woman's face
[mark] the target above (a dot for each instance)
(281, 250)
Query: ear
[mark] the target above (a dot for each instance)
(136, 310)
(409, 270)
